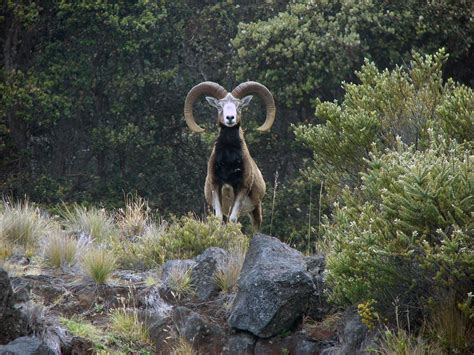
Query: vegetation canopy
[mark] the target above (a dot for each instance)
(369, 161)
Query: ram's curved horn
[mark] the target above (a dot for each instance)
(205, 88)
(250, 87)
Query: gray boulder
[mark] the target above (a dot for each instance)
(297, 344)
(202, 277)
(318, 304)
(13, 323)
(26, 346)
(274, 288)
(241, 344)
(206, 337)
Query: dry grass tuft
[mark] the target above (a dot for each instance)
(126, 324)
(400, 342)
(96, 223)
(452, 329)
(98, 264)
(22, 224)
(6, 249)
(183, 347)
(134, 218)
(179, 282)
(60, 249)
(323, 330)
(226, 277)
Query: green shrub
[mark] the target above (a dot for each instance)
(187, 237)
(395, 159)
(385, 105)
(407, 231)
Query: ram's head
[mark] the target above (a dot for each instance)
(229, 105)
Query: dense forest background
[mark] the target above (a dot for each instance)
(93, 91)
(369, 161)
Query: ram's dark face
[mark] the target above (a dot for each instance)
(229, 108)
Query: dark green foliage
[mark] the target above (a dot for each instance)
(385, 105)
(92, 92)
(406, 232)
(310, 48)
(394, 157)
(92, 97)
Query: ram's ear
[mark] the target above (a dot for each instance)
(213, 101)
(245, 101)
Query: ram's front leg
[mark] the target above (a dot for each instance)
(234, 215)
(216, 204)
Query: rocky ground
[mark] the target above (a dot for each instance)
(278, 308)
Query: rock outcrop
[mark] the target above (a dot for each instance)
(26, 346)
(12, 321)
(274, 288)
(206, 337)
(202, 276)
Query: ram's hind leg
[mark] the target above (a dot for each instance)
(257, 217)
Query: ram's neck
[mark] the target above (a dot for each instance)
(233, 136)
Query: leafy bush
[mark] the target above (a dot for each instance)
(22, 224)
(385, 105)
(406, 232)
(396, 156)
(187, 237)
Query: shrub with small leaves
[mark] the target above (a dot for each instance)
(407, 231)
(187, 237)
(403, 103)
